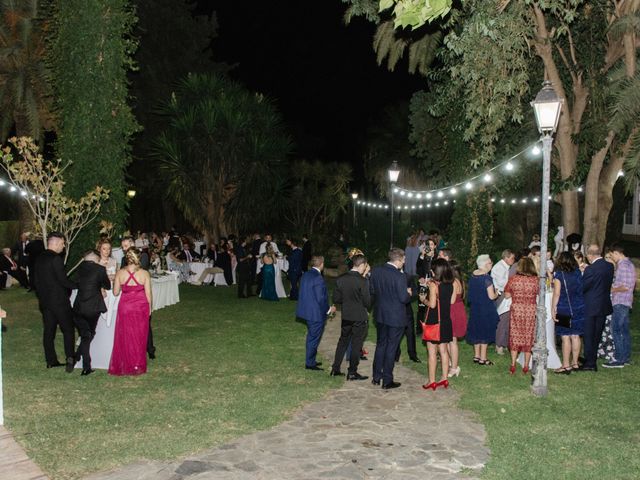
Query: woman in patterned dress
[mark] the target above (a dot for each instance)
(523, 289)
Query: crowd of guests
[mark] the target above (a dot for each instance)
(589, 299)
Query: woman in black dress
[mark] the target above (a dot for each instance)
(439, 301)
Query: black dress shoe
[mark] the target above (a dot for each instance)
(356, 376)
(152, 355)
(71, 362)
(318, 364)
(391, 385)
(375, 382)
(315, 367)
(87, 371)
(363, 357)
(336, 373)
(416, 360)
(56, 364)
(587, 369)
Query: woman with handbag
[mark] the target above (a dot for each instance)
(437, 327)
(523, 290)
(567, 309)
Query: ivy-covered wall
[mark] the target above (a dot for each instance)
(91, 53)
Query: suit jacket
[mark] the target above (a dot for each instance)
(34, 249)
(352, 292)
(307, 253)
(144, 260)
(5, 264)
(389, 288)
(23, 256)
(91, 278)
(313, 299)
(596, 284)
(183, 256)
(52, 285)
(295, 263)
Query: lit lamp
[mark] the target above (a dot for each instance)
(394, 173)
(131, 193)
(547, 107)
(354, 196)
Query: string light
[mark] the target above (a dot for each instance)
(487, 178)
(468, 185)
(509, 166)
(536, 150)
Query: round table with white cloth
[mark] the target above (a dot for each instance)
(553, 360)
(164, 291)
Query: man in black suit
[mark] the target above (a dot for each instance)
(410, 330)
(126, 243)
(307, 252)
(391, 295)
(53, 288)
(256, 277)
(243, 269)
(8, 266)
(596, 283)
(187, 254)
(89, 305)
(33, 249)
(20, 249)
(352, 292)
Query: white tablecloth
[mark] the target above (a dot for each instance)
(164, 292)
(197, 268)
(553, 360)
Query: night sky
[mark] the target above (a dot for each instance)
(322, 73)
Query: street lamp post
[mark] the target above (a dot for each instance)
(354, 196)
(394, 173)
(547, 106)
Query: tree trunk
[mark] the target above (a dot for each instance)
(593, 188)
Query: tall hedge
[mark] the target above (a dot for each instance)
(91, 53)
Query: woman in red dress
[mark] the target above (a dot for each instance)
(129, 355)
(458, 317)
(523, 289)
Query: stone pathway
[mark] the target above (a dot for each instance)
(356, 432)
(14, 463)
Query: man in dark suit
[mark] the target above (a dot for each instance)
(20, 250)
(8, 266)
(188, 254)
(313, 307)
(256, 277)
(243, 269)
(53, 288)
(596, 282)
(391, 295)
(307, 252)
(352, 292)
(33, 249)
(89, 304)
(295, 268)
(410, 330)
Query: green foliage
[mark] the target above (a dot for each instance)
(362, 8)
(25, 93)
(471, 230)
(318, 194)
(91, 53)
(416, 13)
(222, 153)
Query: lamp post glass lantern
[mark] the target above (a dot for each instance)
(354, 196)
(547, 107)
(394, 173)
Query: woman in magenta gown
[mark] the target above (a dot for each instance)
(129, 355)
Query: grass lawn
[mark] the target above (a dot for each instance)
(588, 427)
(225, 367)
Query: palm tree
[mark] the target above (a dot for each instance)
(25, 99)
(221, 152)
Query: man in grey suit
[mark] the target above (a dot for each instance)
(391, 295)
(352, 292)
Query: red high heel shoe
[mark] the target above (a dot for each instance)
(512, 369)
(525, 370)
(432, 386)
(442, 383)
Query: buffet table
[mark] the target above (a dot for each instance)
(164, 291)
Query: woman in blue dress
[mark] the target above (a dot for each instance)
(483, 318)
(568, 299)
(268, 291)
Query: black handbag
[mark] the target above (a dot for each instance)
(564, 320)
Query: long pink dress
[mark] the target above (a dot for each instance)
(129, 355)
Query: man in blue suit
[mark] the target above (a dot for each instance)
(313, 307)
(596, 283)
(391, 295)
(295, 268)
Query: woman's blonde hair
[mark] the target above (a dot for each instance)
(102, 242)
(132, 257)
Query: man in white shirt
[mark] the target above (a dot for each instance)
(500, 276)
